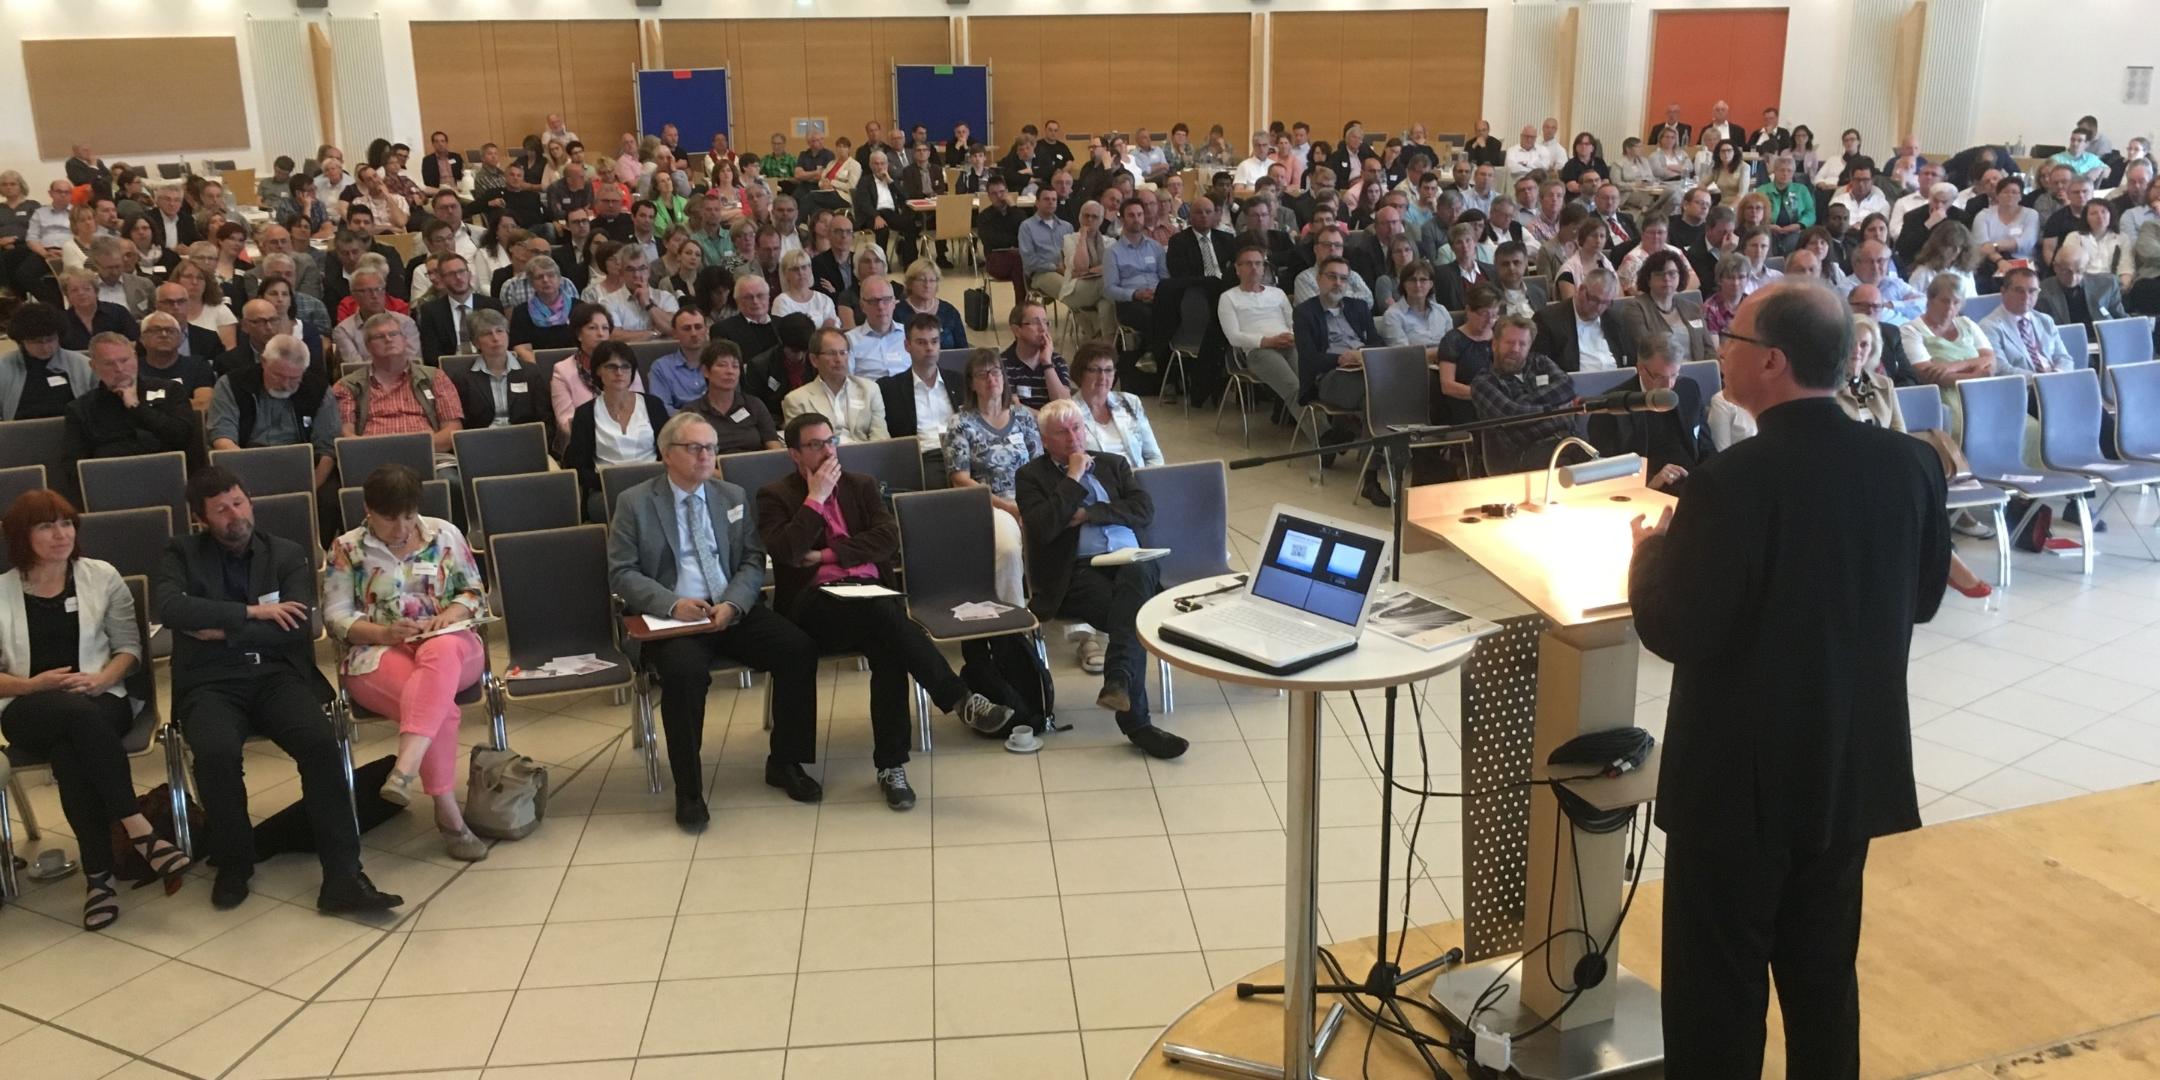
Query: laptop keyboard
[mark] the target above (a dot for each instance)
(1290, 631)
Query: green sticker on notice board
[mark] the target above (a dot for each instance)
(942, 69)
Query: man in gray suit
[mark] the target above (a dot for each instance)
(2024, 339)
(115, 284)
(2074, 296)
(685, 546)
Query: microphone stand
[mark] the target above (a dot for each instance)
(1384, 980)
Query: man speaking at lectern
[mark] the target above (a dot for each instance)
(1784, 589)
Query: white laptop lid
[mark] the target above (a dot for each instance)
(1321, 567)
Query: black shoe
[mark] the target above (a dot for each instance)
(690, 812)
(354, 895)
(790, 777)
(229, 891)
(2070, 517)
(893, 782)
(1115, 696)
(1157, 742)
(1375, 493)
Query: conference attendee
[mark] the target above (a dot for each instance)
(115, 283)
(1328, 243)
(1133, 270)
(2024, 338)
(1525, 156)
(751, 327)
(675, 379)
(283, 401)
(38, 378)
(573, 380)
(1333, 330)
(370, 297)
(445, 320)
(204, 305)
(1673, 443)
(920, 403)
(396, 394)
(1656, 234)
(1792, 203)
(1582, 332)
(798, 292)
(850, 402)
(1461, 269)
(1871, 266)
(243, 666)
(1464, 354)
(1521, 383)
(2070, 295)
(1483, 148)
(1658, 310)
(1719, 240)
(881, 204)
(84, 314)
(442, 168)
(921, 283)
(1041, 242)
(1115, 421)
(127, 413)
(877, 347)
(740, 420)
(1256, 318)
(683, 546)
(1586, 256)
(832, 271)
(1764, 866)
(1076, 505)
(824, 527)
(636, 310)
(163, 344)
(1415, 317)
(1859, 195)
(68, 622)
(394, 577)
(618, 426)
(986, 443)
(542, 321)
(1943, 344)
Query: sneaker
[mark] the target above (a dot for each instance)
(980, 713)
(1156, 742)
(893, 782)
(1093, 649)
(1968, 525)
(397, 790)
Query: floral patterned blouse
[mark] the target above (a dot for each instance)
(363, 580)
(992, 456)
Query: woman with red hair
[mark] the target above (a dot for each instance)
(67, 638)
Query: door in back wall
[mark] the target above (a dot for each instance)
(1699, 57)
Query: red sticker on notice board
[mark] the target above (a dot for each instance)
(682, 74)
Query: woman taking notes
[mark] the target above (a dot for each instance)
(395, 577)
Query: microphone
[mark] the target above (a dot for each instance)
(1632, 401)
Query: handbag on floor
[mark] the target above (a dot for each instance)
(506, 796)
(976, 309)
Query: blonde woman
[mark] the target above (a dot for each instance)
(1868, 395)
(798, 292)
(1083, 294)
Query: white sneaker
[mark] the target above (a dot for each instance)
(983, 714)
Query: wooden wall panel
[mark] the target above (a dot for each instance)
(769, 83)
(1013, 49)
(1319, 63)
(1214, 75)
(73, 96)
(599, 61)
(527, 73)
(784, 68)
(456, 94)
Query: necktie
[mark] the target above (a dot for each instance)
(1619, 234)
(460, 310)
(2032, 341)
(708, 547)
(1208, 266)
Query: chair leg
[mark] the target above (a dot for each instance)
(922, 719)
(641, 691)
(498, 719)
(1169, 696)
(341, 725)
(2002, 548)
(8, 887)
(2085, 519)
(29, 815)
(176, 788)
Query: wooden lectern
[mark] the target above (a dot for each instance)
(1569, 560)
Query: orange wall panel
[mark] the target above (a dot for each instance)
(1700, 57)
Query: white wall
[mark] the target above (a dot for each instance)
(2044, 64)
(2078, 47)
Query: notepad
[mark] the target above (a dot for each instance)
(1127, 556)
(479, 620)
(865, 591)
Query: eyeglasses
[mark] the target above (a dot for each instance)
(1731, 335)
(877, 299)
(696, 449)
(815, 445)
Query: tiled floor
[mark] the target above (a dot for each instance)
(1035, 916)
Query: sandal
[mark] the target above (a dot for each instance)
(101, 908)
(166, 861)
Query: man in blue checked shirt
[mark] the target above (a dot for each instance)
(1132, 269)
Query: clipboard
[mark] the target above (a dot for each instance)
(453, 628)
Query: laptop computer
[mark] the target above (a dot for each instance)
(1304, 603)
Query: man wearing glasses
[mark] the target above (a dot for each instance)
(878, 347)
(852, 403)
(825, 527)
(683, 546)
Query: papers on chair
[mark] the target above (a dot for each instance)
(2104, 466)
(978, 610)
(2014, 478)
(865, 591)
(455, 627)
(1967, 484)
(658, 622)
(581, 664)
(1127, 556)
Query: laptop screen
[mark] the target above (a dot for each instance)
(1318, 568)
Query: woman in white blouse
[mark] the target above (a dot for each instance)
(1672, 165)
(2101, 248)
(1755, 248)
(1116, 424)
(2008, 229)
(799, 293)
(1948, 252)
(1414, 319)
(1588, 255)
(618, 427)
(1083, 296)
(206, 305)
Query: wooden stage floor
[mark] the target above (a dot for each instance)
(2023, 945)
